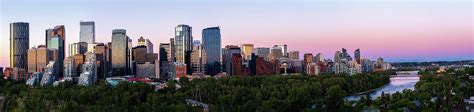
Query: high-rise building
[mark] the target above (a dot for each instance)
(19, 44)
(337, 56)
(38, 58)
(346, 55)
(230, 51)
(165, 52)
(87, 32)
(262, 52)
(69, 67)
(276, 53)
(183, 42)
(78, 62)
(101, 51)
(32, 60)
(357, 55)
(165, 59)
(78, 48)
(56, 43)
(247, 50)
(55, 39)
(211, 42)
(284, 49)
(129, 55)
(141, 41)
(88, 76)
(198, 59)
(149, 46)
(307, 59)
(139, 54)
(319, 58)
(120, 52)
(294, 55)
(237, 66)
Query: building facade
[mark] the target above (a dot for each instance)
(211, 42)
(294, 55)
(87, 32)
(19, 44)
(120, 52)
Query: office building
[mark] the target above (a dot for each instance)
(183, 42)
(19, 44)
(78, 48)
(247, 50)
(230, 51)
(211, 42)
(102, 53)
(307, 59)
(38, 58)
(318, 58)
(357, 55)
(294, 55)
(262, 52)
(87, 32)
(276, 53)
(55, 39)
(237, 67)
(120, 52)
(284, 49)
(198, 59)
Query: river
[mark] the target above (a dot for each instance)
(397, 84)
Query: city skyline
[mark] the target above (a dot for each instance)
(430, 37)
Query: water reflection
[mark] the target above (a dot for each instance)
(397, 84)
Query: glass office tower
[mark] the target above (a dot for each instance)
(120, 51)
(19, 44)
(211, 41)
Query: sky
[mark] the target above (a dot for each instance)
(397, 30)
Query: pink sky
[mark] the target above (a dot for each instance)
(401, 30)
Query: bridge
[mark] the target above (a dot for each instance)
(406, 74)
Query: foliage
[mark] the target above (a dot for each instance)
(254, 93)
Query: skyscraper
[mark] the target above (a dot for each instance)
(38, 58)
(19, 44)
(77, 48)
(149, 46)
(55, 39)
(230, 51)
(247, 50)
(357, 55)
(120, 52)
(32, 60)
(87, 32)
(262, 52)
(198, 59)
(211, 42)
(141, 41)
(183, 42)
(276, 53)
(308, 58)
(284, 49)
(319, 58)
(294, 55)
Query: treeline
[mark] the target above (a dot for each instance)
(434, 92)
(257, 93)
